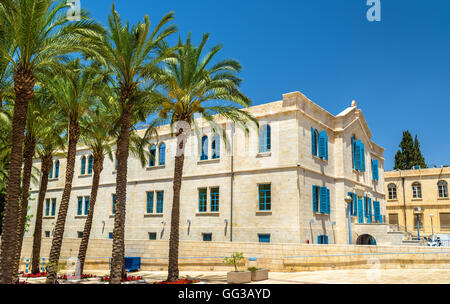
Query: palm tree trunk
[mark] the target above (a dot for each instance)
(30, 145)
(23, 88)
(118, 251)
(55, 251)
(173, 272)
(98, 167)
(46, 162)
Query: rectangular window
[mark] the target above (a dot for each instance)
(375, 169)
(393, 218)
(110, 235)
(202, 197)
(47, 207)
(315, 198)
(47, 234)
(159, 201)
(150, 197)
(444, 219)
(214, 199)
(207, 237)
(264, 238)
(322, 239)
(80, 234)
(87, 200)
(324, 200)
(420, 221)
(264, 197)
(152, 235)
(114, 200)
(53, 206)
(80, 205)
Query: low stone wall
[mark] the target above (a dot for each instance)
(209, 256)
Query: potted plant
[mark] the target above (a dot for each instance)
(236, 276)
(259, 274)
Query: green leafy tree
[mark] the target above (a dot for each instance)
(41, 36)
(409, 154)
(190, 87)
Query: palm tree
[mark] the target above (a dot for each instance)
(130, 52)
(39, 109)
(97, 134)
(40, 34)
(51, 139)
(191, 87)
(73, 93)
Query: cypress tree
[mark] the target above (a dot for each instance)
(409, 154)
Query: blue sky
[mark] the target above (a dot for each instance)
(398, 69)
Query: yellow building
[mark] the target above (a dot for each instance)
(406, 190)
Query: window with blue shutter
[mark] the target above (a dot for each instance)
(90, 164)
(368, 209)
(323, 145)
(353, 152)
(360, 211)
(162, 154)
(114, 200)
(214, 199)
(204, 150)
(322, 239)
(358, 155)
(47, 207)
(215, 147)
(50, 174)
(314, 140)
(376, 207)
(53, 206)
(152, 158)
(264, 238)
(352, 204)
(264, 197)
(355, 205)
(159, 201)
(207, 237)
(110, 235)
(80, 205)
(315, 198)
(264, 139)
(150, 198)
(83, 165)
(363, 157)
(324, 200)
(87, 200)
(57, 169)
(202, 197)
(375, 169)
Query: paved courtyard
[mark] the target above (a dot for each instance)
(355, 276)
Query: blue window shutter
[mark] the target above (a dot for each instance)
(162, 154)
(87, 200)
(90, 164)
(323, 199)
(264, 139)
(159, 201)
(150, 202)
(363, 157)
(47, 207)
(360, 211)
(369, 211)
(83, 165)
(323, 142)
(328, 201)
(152, 157)
(325, 239)
(355, 205)
(319, 239)
(204, 154)
(353, 153)
(313, 142)
(53, 206)
(375, 169)
(358, 155)
(50, 174)
(80, 205)
(376, 207)
(315, 199)
(268, 138)
(57, 169)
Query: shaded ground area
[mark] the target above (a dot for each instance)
(355, 276)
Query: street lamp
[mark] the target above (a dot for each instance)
(348, 199)
(418, 211)
(432, 231)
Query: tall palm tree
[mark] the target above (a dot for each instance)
(131, 52)
(41, 34)
(73, 93)
(39, 109)
(50, 141)
(192, 87)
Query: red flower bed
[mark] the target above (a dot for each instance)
(82, 277)
(37, 275)
(180, 281)
(128, 279)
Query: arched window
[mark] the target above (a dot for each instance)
(392, 190)
(442, 189)
(152, 158)
(162, 154)
(264, 139)
(417, 190)
(314, 141)
(90, 164)
(204, 154)
(83, 165)
(50, 174)
(215, 147)
(57, 169)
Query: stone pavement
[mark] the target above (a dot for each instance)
(354, 276)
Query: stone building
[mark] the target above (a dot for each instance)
(424, 188)
(283, 183)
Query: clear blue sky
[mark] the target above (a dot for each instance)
(398, 69)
